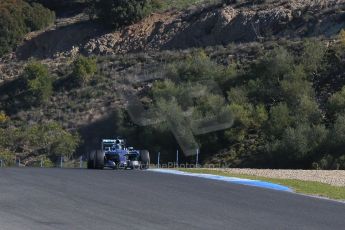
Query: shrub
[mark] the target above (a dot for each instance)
(39, 82)
(157, 4)
(300, 143)
(11, 29)
(237, 95)
(307, 110)
(279, 120)
(57, 5)
(312, 56)
(166, 89)
(260, 115)
(62, 142)
(47, 163)
(330, 162)
(18, 18)
(197, 66)
(83, 69)
(228, 2)
(242, 114)
(265, 75)
(336, 103)
(48, 139)
(336, 139)
(3, 117)
(294, 89)
(7, 157)
(38, 17)
(119, 13)
(177, 122)
(341, 37)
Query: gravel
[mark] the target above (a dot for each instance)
(332, 177)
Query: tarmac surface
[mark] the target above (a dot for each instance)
(38, 199)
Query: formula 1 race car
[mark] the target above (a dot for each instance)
(115, 155)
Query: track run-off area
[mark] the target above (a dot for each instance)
(38, 198)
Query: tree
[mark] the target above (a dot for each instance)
(17, 18)
(38, 17)
(336, 103)
(312, 56)
(336, 139)
(280, 119)
(119, 13)
(48, 139)
(83, 69)
(39, 82)
(298, 145)
(266, 74)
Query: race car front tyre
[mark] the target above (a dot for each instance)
(99, 159)
(91, 160)
(145, 159)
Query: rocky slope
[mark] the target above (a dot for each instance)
(195, 27)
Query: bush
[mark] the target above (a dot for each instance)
(119, 13)
(166, 90)
(280, 119)
(3, 117)
(197, 67)
(237, 95)
(328, 162)
(7, 157)
(38, 17)
(40, 139)
(39, 83)
(300, 144)
(83, 69)
(242, 114)
(336, 139)
(295, 85)
(265, 75)
(312, 56)
(177, 123)
(336, 103)
(18, 18)
(62, 142)
(341, 37)
(57, 5)
(308, 110)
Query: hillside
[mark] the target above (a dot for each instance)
(276, 59)
(199, 26)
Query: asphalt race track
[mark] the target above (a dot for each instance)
(89, 199)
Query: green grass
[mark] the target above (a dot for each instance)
(299, 186)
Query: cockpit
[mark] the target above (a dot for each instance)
(113, 145)
(117, 146)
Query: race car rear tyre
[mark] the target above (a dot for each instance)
(91, 160)
(99, 159)
(145, 159)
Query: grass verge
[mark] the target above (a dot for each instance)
(299, 186)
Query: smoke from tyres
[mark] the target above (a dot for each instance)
(185, 128)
